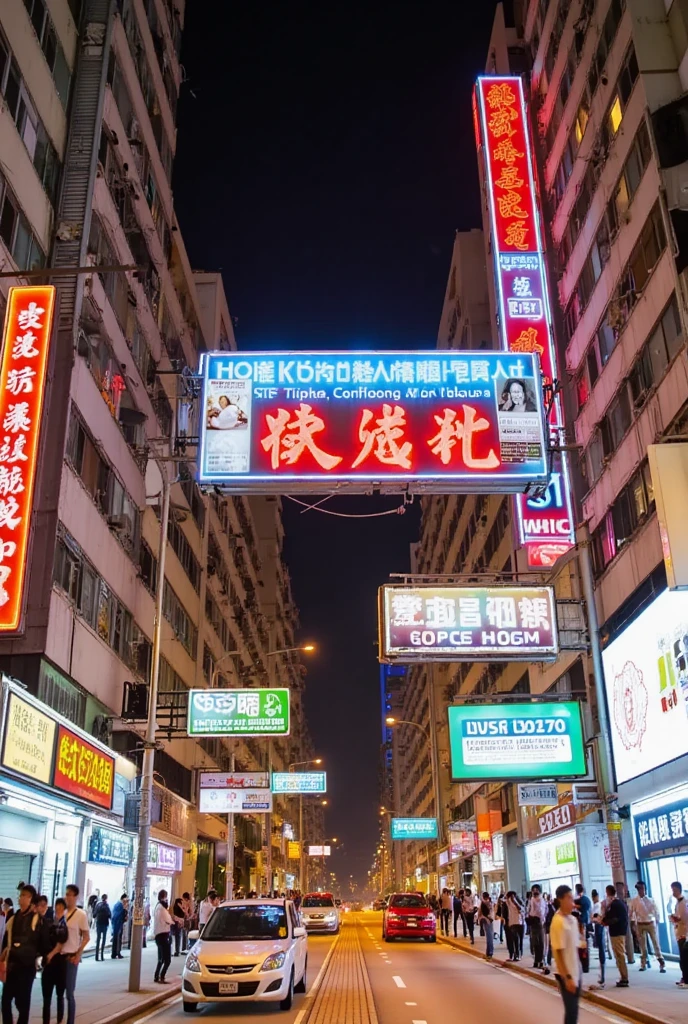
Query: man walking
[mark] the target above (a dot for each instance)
(644, 915)
(446, 904)
(53, 975)
(458, 912)
(486, 916)
(564, 939)
(162, 923)
(468, 905)
(536, 915)
(119, 916)
(679, 919)
(24, 943)
(102, 915)
(78, 938)
(616, 919)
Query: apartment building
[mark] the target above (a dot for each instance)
(88, 136)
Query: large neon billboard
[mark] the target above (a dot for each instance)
(324, 421)
(545, 523)
(26, 343)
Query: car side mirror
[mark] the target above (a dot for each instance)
(194, 935)
(300, 932)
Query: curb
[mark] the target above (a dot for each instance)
(149, 1003)
(591, 997)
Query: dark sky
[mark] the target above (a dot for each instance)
(325, 159)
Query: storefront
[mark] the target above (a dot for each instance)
(164, 866)
(660, 827)
(492, 865)
(569, 856)
(110, 863)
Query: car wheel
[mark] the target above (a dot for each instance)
(301, 985)
(190, 1007)
(286, 1003)
(432, 938)
(388, 938)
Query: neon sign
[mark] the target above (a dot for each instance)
(322, 421)
(26, 342)
(545, 524)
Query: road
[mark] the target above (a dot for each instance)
(414, 982)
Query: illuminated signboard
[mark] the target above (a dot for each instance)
(83, 770)
(454, 623)
(26, 342)
(414, 828)
(234, 792)
(299, 782)
(319, 851)
(546, 523)
(29, 740)
(517, 741)
(293, 850)
(468, 421)
(263, 712)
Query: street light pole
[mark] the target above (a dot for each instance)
(292, 766)
(146, 791)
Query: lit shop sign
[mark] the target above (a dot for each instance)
(319, 851)
(263, 712)
(517, 741)
(26, 342)
(492, 855)
(557, 819)
(663, 830)
(554, 857)
(538, 795)
(108, 847)
(299, 782)
(646, 679)
(460, 422)
(234, 780)
(545, 524)
(454, 623)
(234, 792)
(38, 747)
(414, 828)
(163, 859)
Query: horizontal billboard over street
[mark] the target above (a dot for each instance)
(234, 780)
(537, 740)
(319, 421)
(455, 623)
(263, 712)
(319, 851)
(234, 801)
(299, 782)
(414, 828)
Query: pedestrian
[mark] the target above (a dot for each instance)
(178, 927)
(583, 905)
(468, 906)
(552, 907)
(515, 908)
(446, 904)
(162, 923)
(456, 906)
(77, 940)
(486, 915)
(536, 915)
(119, 916)
(146, 921)
(188, 909)
(679, 919)
(598, 934)
(644, 915)
(206, 908)
(616, 919)
(90, 907)
(102, 915)
(25, 943)
(565, 938)
(54, 974)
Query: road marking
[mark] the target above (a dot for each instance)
(164, 1006)
(419, 1022)
(590, 1007)
(410, 1004)
(317, 983)
(397, 981)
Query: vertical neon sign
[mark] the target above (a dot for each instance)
(545, 524)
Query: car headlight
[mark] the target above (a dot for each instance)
(274, 962)
(192, 964)
(331, 917)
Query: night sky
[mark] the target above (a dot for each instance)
(325, 159)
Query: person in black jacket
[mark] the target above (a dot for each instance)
(25, 943)
(616, 919)
(102, 915)
(54, 975)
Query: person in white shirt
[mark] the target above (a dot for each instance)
(206, 908)
(162, 922)
(644, 915)
(564, 936)
(79, 935)
(536, 915)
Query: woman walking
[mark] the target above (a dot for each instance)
(515, 926)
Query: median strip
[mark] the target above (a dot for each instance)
(345, 995)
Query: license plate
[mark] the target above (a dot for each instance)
(412, 924)
(229, 988)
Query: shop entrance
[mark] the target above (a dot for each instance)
(659, 874)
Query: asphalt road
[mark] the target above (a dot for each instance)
(254, 1013)
(415, 982)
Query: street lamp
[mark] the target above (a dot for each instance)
(300, 764)
(307, 648)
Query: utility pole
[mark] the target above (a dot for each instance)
(146, 790)
(434, 760)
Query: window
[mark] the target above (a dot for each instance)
(628, 512)
(51, 47)
(178, 618)
(182, 550)
(16, 233)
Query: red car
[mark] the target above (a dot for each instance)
(408, 916)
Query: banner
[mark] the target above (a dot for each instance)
(234, 801)
(414, 828)
(453, 422)
(299, 782)
(263, 712)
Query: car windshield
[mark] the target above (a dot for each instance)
(407, 900)
(250, 922)
(318, 901)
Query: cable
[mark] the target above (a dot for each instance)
(399, 511)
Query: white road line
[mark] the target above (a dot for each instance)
(590, 1007)
(419, 1022)
(397, 981)
(164, 1006)
(410, 1004)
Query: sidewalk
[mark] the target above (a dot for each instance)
(101, 989)
(651, 997)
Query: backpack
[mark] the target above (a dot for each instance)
(59, 932)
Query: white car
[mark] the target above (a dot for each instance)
(250, 950)
(319, 912)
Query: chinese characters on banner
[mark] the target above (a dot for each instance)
(445, 421)
(83, 770)
(663, 830)
(546, 523)
(29, 740)
(260, 712)
(26, 342)
(461, 623)
(414, 828)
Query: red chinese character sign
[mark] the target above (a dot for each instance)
(83, 770)
(26, 342)
(314, 422)
(545, 523)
